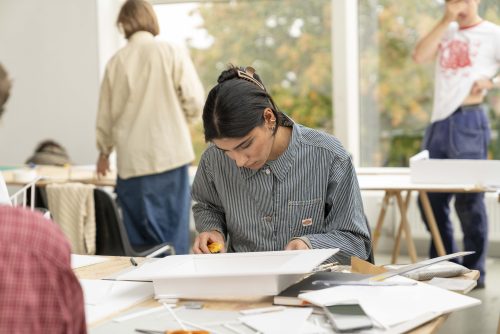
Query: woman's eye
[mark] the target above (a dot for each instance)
(247, 145)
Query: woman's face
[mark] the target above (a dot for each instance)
(251, 151)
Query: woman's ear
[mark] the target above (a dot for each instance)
(269, 117)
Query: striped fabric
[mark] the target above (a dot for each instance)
(72, 207)
(310, 191)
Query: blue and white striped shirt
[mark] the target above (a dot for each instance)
(310, 191)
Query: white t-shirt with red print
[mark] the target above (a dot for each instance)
(465, 55)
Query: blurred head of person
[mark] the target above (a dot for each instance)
(49, 152)
(468, 14)
(5, 85)
(137, 15)
(240, 117)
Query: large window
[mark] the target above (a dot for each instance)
(288, 42)
(395, 93)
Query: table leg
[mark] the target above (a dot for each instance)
(431, 221)
(380, 220)
(395, 250)
(406, 227)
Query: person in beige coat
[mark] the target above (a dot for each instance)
(149, 94)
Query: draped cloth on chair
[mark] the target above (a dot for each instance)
(72, 207)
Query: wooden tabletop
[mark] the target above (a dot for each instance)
(399, 182)
(117, 264)
(53, 174)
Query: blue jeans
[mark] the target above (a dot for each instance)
(156, 208)
(463, 135)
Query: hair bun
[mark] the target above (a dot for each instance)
(228, 74)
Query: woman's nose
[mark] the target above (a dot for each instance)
(240, 159)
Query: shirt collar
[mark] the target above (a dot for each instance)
(141, 36)
(281, 165)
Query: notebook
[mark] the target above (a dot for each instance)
(289, 296)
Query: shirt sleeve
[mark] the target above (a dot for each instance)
(189, 87)
(345, 222)
(104, 122)
(207, 210)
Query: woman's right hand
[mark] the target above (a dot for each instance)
(200, 245)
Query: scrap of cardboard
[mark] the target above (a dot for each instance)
(359, 266)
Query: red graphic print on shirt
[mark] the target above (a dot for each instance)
(455, 55)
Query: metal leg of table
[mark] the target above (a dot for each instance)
(380, 220)
(431, 221)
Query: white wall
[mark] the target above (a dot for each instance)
(52, 51)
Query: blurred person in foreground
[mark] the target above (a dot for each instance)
(39, 293)
(149, 94)
(466, 50)
(5, 85)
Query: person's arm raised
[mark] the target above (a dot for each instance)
(427, 48)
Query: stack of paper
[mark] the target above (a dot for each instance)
(392, 305)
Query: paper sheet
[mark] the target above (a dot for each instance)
(103, 298)
(391, 305)
(290, 320)
(78, 261)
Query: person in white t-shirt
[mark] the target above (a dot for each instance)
(466, 50)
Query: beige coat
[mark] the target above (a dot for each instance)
(149, 94)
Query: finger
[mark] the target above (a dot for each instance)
(196, 245)
(204, 237)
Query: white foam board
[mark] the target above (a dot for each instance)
(229, 274)
(484, 173)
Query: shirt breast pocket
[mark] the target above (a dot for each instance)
(305, 217)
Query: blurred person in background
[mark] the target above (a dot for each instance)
(149, 95)
(466, 50)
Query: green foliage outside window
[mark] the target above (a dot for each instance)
(289, 43)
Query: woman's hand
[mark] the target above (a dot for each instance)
(200, 245)
(296, 244)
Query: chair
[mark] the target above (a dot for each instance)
(111, 234)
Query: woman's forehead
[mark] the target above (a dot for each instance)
(228, 144)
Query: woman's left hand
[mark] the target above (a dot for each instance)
(296, 244)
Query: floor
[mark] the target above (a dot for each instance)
(477, 320)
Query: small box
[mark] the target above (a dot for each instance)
(482, 173)
(228, 275)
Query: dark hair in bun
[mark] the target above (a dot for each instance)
(235, 106)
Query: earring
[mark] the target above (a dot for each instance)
(273, 126)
